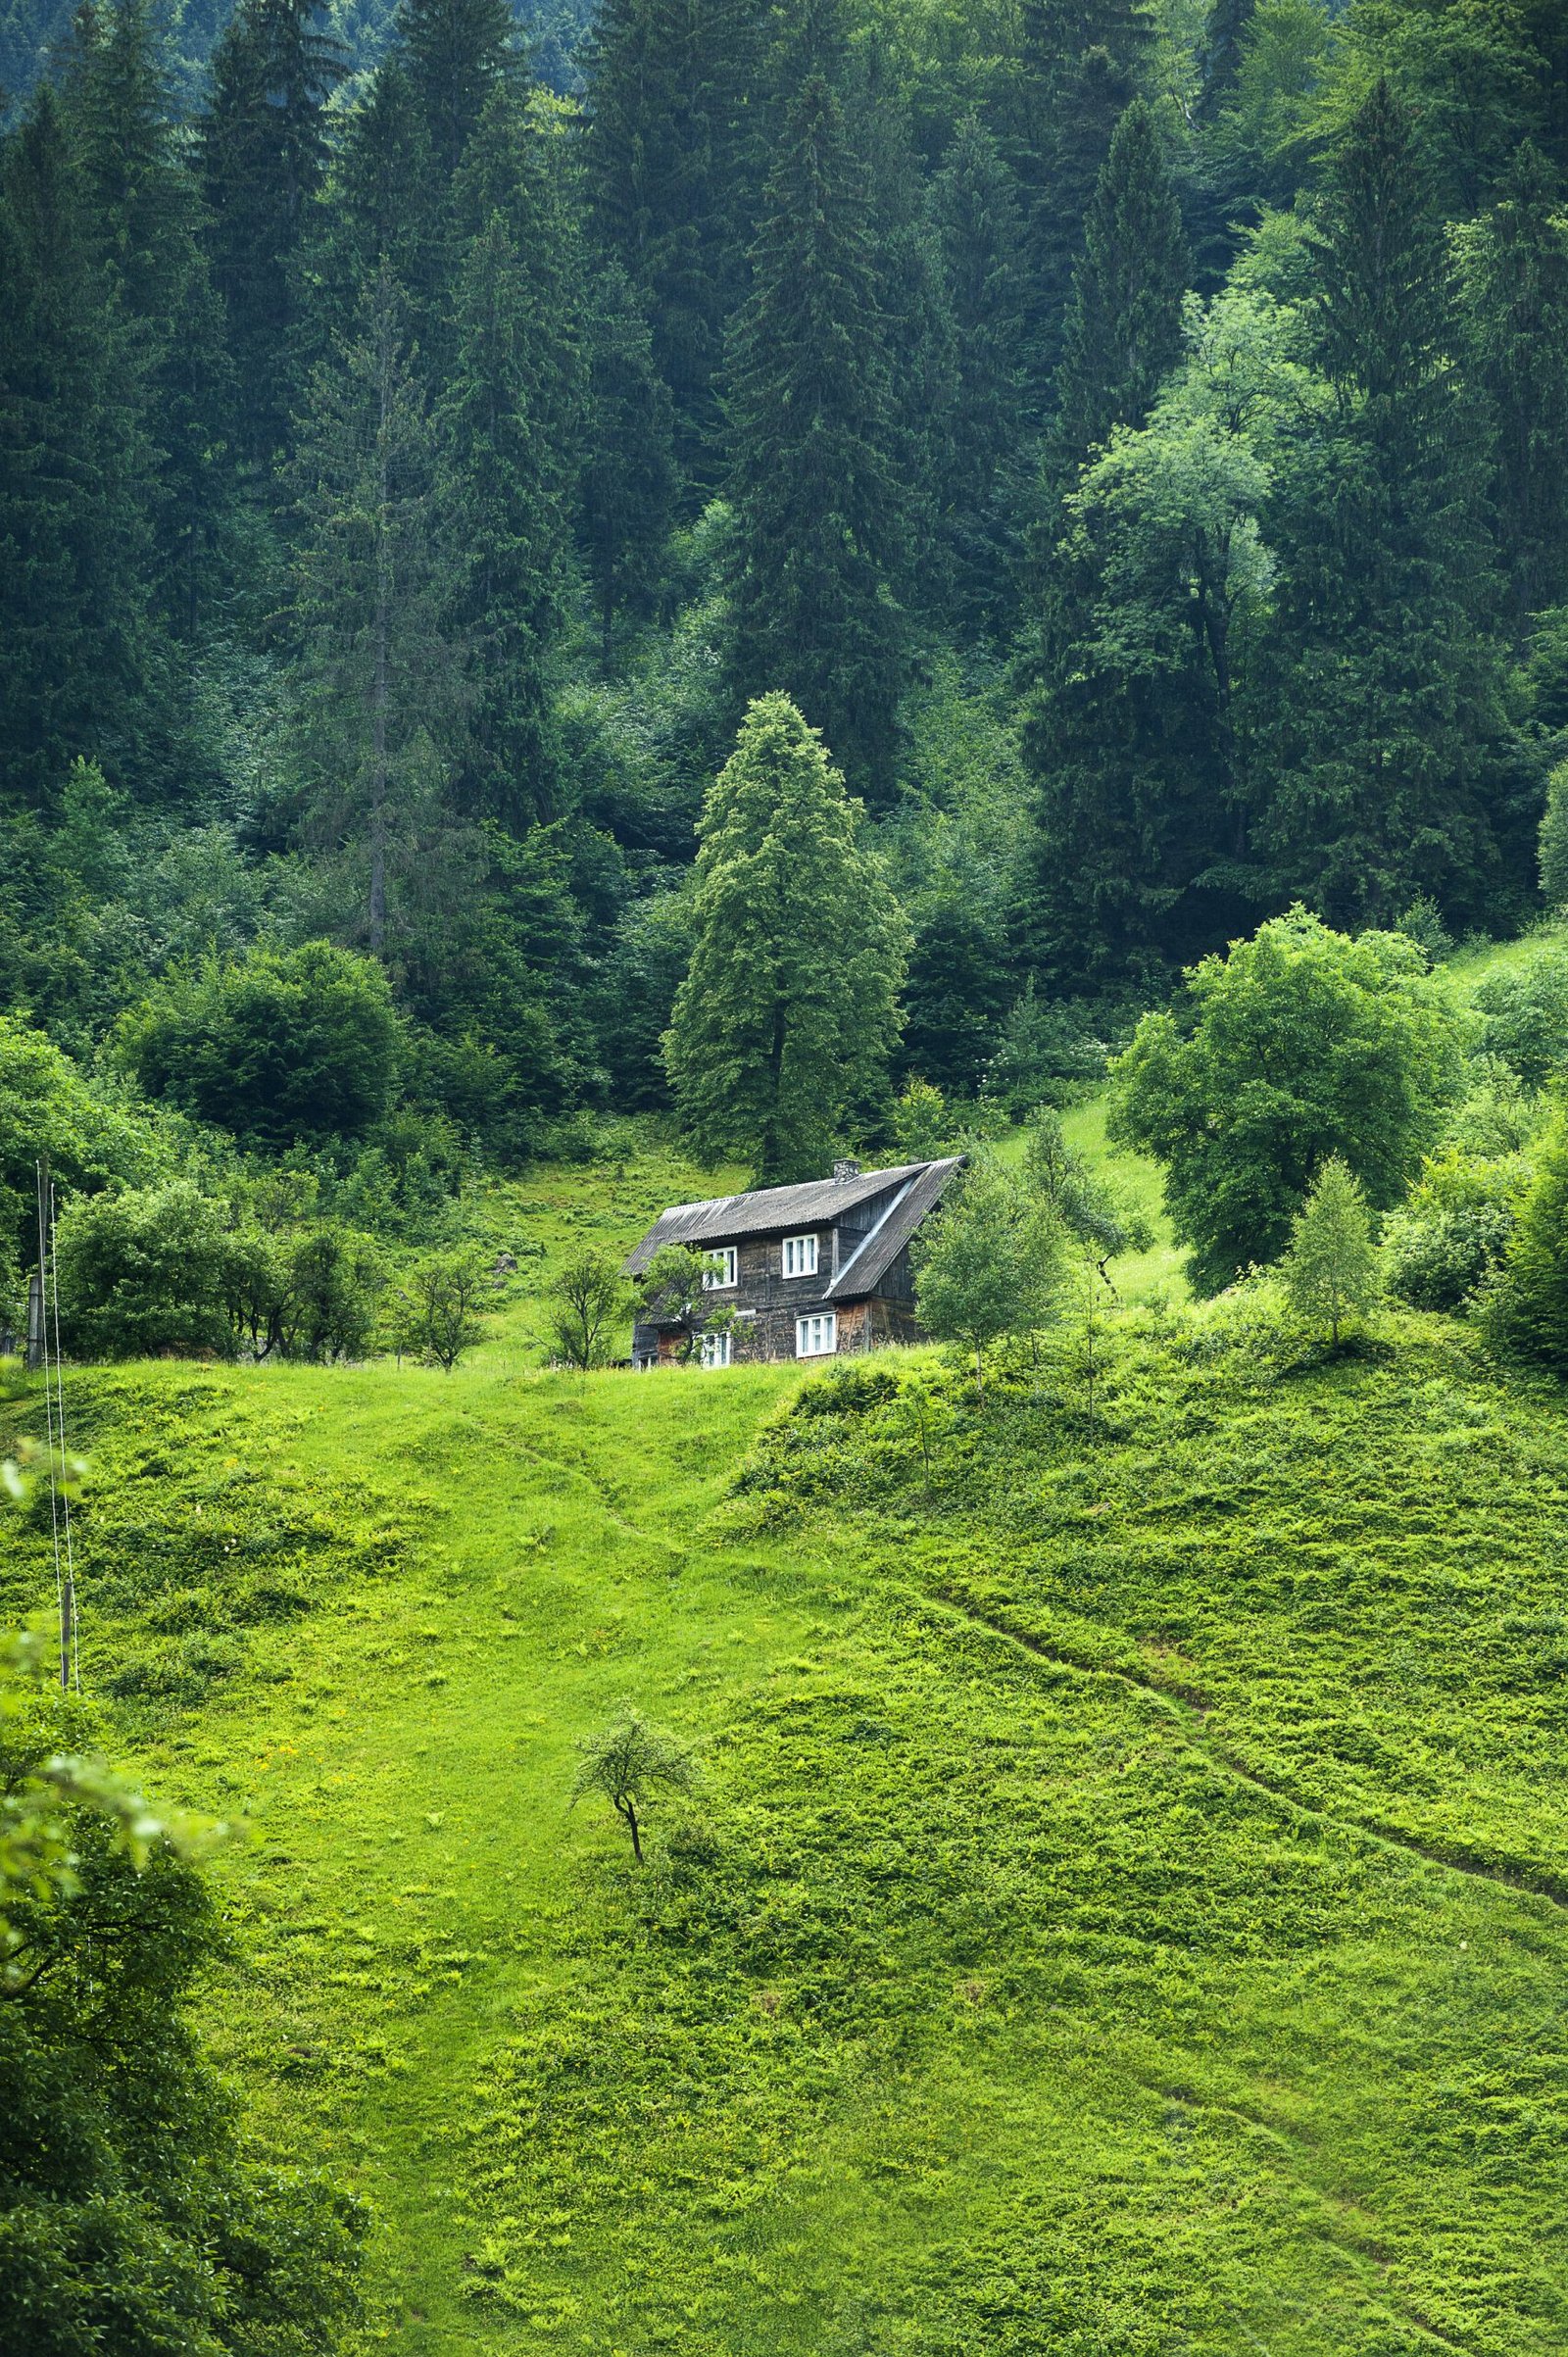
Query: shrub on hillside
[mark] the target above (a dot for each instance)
(161, 1269)
(1300, 1045)
(91, 1135)
(1524, 1014)
(438, 1309)
(132, 2220)
(144, 1271)
(1527, 1309)
(281, 1046)
(1452, 1235)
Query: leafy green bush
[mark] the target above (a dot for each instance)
(145, 1271)
(1047, 1045)
(1300, 1045)
(132, 2220)
(1452, 1234)
(91, 1134)
(163, 1270)
(279, 1046)
(1525, 1014)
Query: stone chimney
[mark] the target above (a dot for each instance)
(845, 1170)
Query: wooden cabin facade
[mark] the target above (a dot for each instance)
(810, 1271)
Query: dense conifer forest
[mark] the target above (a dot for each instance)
(1138, 444)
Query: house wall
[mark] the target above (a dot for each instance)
(768, 1302)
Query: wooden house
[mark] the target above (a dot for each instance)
(810, 1271)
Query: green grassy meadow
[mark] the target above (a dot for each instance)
(1125, 1908)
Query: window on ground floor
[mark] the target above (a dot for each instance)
(817, 1335)
(715, 1350)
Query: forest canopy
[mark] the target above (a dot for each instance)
(1136, 445)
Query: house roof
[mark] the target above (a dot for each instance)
(870, 1262)
(818, 1204)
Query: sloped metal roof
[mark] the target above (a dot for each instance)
(867, 1266)
(774, 1210)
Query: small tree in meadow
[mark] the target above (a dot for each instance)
(1528, 1308)
(988, 1266)
(1330, 1270)
(627, 1762)
(676, 1289)
(437, 1313)
(587, 1300)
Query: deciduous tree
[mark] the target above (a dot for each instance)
(1300, 1045)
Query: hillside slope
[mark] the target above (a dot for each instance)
(1125, 1912)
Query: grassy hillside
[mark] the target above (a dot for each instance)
(1124, 1910)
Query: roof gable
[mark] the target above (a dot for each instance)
(818, 1204)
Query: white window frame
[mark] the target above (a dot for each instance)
(714, 1348)
(810, 1341)
(731, 1256)
(797, 1256)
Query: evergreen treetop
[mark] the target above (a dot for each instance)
(783, 1026)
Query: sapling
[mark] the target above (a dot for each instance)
(625, 1762)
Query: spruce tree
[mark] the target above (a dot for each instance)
(974, 208)
(1385, 687)
(1514, 272)
(380, 205)
(672, 136)
(264, 153)
(912, 297)
(1124, 318)
(508, 529)
(628, 482)
(1529, 1310)
(784, 1023)
(818, 534)
(382, 676)
(454, 53)
(76, 474)
(1081, 63)
(510, 421)
(146, 221)
(1330, 1270)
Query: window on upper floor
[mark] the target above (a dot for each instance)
(716, 1280)
(800, 1256)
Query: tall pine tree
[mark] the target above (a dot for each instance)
(1386, 693)
(454, 53)
(511, 420)
(1123, 329)
(671, 175)
(1102, 773)
(1080, 65)
(76, 475)
(147, 221)
(974, 208)
(380, 672)
(264, 153)
(819, 539)
(1513, 271)
(628, 483)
